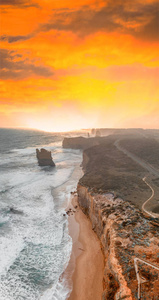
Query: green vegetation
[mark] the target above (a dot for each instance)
(108, 169)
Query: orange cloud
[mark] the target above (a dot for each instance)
(83, 63)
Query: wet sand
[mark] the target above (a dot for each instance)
(86, 258)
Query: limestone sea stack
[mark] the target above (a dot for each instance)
(44, 157)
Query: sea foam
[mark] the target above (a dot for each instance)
(35, 244)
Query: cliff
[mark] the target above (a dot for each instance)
(111, 193)
(44, 157)
(80, 142)
(129, 241)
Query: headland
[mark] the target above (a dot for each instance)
(119, 177)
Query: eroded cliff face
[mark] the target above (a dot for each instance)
(130, 245)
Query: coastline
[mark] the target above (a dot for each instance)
(129, 240)
(87, 258)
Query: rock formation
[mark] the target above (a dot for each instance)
(98, 133)
(125, 235)
(129, 239)
(93, 131)
(80, 142)
(44, 157)
(15, 211)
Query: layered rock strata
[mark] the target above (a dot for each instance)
(44, 157)
(125, 235)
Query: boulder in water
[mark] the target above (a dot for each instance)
(15, 211)
(44, 157)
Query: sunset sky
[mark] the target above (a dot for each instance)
(79, 64)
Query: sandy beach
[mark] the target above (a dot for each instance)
(87, 258)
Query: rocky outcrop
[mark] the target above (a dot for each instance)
(44, 157)
(15, 211)
(125, 235)
(80, 142)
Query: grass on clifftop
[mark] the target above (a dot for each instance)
(109, 169)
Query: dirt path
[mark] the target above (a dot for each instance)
(142, 163)
(146, 166)
(149, 199)
(153, 171)
(139, 279)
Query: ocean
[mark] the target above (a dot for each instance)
(35, 245)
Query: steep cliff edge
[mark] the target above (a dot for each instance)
(125, 235)
(130, 242)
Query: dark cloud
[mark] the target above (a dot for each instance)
(139, 20)
(151, 30)
(14, 67)
(82, 22)
(20, 3)
(15, 38)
